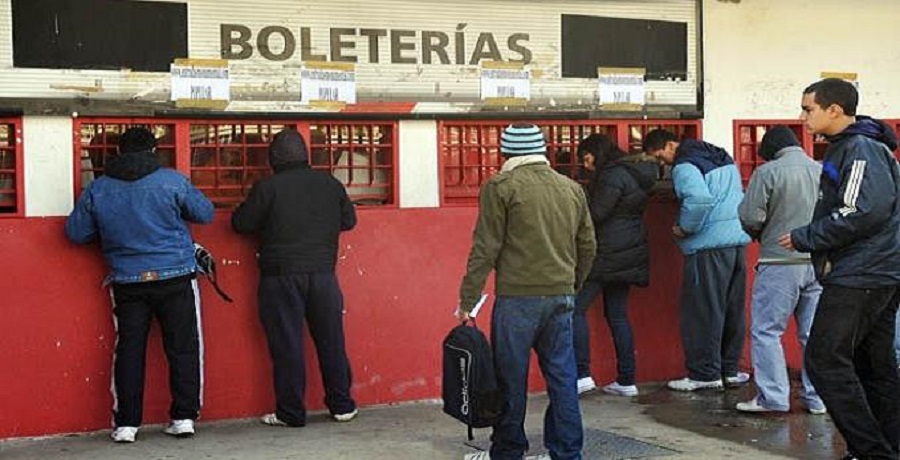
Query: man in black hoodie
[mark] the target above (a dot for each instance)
(854, 238)
(298, 214)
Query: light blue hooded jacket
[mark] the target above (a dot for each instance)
(708, 188)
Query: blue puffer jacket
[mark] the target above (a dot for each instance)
(138, 212)
(854, 235)
(708, 187)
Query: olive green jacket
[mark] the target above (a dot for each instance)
(534, 229)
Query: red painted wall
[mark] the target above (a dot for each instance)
(400, 271)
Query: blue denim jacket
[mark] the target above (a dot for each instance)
(141, 224)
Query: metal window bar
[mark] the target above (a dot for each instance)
(9, 168)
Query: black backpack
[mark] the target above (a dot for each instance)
(470, 390)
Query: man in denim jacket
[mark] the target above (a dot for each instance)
(138, 211)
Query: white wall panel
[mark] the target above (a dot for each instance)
(418, 165)
(759, 55)
(48, 165)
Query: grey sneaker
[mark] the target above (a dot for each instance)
(124, 434)
(687, 384)
(586, 384)
(272, 420)
(180, 428)
(620, 390)
(346, 417)
(737, 379)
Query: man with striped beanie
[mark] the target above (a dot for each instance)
(534, 231)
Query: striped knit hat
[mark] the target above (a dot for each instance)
(522, 139)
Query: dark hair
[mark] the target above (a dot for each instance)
(657, 139)
(137, 139)
(604, 150)
(835, 91)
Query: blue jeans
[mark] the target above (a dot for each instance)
(897, 338)
(779, 292)
(615, 309)
(520, 323)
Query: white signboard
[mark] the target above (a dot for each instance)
(621, 86)
(328, 82)
(200, 81)
(504, 80)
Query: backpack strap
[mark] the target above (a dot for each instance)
(212, 280)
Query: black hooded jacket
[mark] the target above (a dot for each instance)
(618, 197)
(853, 235)
(297, 213)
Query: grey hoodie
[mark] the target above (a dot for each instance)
(781, 196)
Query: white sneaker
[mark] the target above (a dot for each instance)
(480, 455)
(737, 379)
(346, 417)
(586, 384)
(686, 384)
(817, 410)
(272, 420)
(752, 406)
(180, 428)
(124, 434)
(620, 390)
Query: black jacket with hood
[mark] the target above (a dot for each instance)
(297, 213)
(618, 198)
(854, 235)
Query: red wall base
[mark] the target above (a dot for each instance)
(400, 272)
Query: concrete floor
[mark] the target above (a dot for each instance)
(699, 425)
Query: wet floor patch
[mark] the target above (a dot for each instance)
(598, 445)
(795, 434)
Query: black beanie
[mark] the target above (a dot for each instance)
(287, 147)
(776, 138)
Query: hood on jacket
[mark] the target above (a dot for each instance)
(776, 139)
(137, 155)
(871, 128)
(287, 150)
(704, 156)
(132, 166)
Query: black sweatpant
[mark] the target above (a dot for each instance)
(285, 301)
(850, 360)
(176, 305)
(712, 312)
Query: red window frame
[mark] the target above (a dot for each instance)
(469, 150)
(12, 197)
(224, 158)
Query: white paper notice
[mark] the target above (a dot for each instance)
(328, 82)
(200, 80)
(621, 86)
(508, 83)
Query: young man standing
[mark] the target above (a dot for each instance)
(708, 231)
(138, 210)
(781, 196)
(854, 238)
(534, 230)
(298, 215)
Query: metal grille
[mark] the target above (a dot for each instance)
(470, 150)
(10, 166)
(228, 158)
(225, 158)
(97, 141)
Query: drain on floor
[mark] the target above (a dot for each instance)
(598, 445)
